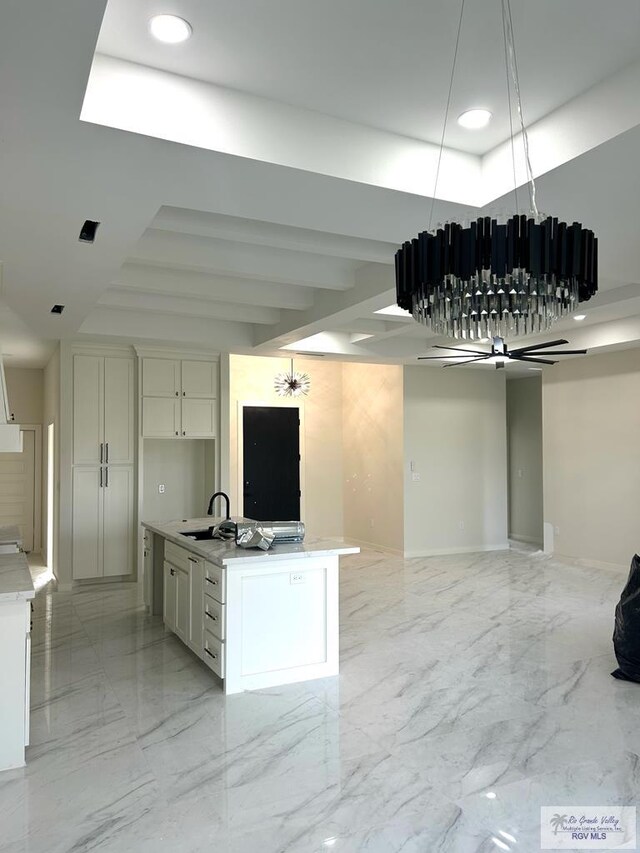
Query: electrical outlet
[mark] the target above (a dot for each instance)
(161, 489)
(296, 577)
(415, 477)
(519, 473)
(461, 524)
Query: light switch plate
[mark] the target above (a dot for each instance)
(161, 489)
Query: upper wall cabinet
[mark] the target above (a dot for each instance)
(103, 403)
(193, 385)
(163, 377)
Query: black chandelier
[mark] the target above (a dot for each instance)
(497, 279)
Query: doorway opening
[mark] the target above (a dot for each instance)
(524, 461)
(271, 463)
(50, 494)
(21, 488)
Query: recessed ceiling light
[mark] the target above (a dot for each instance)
(169, 29)
(536, 369)
(580, 317)
(474, 119)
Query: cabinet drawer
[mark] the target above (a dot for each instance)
(176, 555)
(213, 654)
(214, 584)
(214, 617)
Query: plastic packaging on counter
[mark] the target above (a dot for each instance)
(254, 536)
(626, 634)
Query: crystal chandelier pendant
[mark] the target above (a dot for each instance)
(497, 279)
(292, 383)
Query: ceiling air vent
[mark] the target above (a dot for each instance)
(88, 231)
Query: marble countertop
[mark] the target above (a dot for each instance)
(10, 534)
(15, 578)
(227, 553)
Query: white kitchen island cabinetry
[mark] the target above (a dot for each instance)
(256, 618)
(16, 592)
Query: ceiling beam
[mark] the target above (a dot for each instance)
(126, 300)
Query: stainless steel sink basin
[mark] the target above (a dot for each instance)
(206, 533)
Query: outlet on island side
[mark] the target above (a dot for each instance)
(296, 577)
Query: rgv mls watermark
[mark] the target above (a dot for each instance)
(588, 827)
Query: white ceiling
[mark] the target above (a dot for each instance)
(204, 248)
(387, 63)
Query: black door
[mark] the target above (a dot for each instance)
(271, 446)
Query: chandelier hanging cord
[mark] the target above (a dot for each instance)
(510, 47)
(506, 69)
(446, 115)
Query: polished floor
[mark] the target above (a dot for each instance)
(473, 690)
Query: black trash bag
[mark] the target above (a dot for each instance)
(626, 634)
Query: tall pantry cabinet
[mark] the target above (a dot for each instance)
(103, 458)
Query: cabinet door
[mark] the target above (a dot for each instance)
(196, 581)
(160, 417)
(169, 597)
(199, 418)
(160, 377)
(119, 513)
(86, 549)
(147, 581)
(199, 379)
(183, 604)
(118, 411)
(88, 412)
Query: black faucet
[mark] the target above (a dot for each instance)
(228, 503)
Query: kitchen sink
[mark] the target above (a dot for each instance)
(206, 533)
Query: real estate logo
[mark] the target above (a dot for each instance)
(588, 828)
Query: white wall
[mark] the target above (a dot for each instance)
(591, 443)
(455, 434)
(25, 389)
(51, 415)
(186, 470)
(373, 454)
(251, 380)
(524, 443)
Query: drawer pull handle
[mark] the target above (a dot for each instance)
(171, 572)
(211, 616)
(211, 654)
(192, 559)
(213, 583)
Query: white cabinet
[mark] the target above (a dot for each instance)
(195, 636)
(199, 418)
(147, 569)
(179, 398)
(102, 410)
(183, 605)
(161, 417)
(160, 377)
(103, 488)
(15, 652)
(199, 379)
(169, 602)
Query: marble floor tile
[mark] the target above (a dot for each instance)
(461, 676)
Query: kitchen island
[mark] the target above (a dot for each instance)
(256, 618)
(16, 592)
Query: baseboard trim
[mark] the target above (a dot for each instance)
(374, 545)
(529, 540)
(467, 549)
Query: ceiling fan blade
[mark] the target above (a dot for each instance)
(468, 361)
(440, 357)
(564, 352)
(537, 346)
(461, 349)
(532, 359)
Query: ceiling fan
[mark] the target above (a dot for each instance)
(501, 354)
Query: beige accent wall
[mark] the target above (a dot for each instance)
(591, 448)
(373, 454)
(455, 435)
(186, 470)
(524, 444)
(251, 381)
(25, 389)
